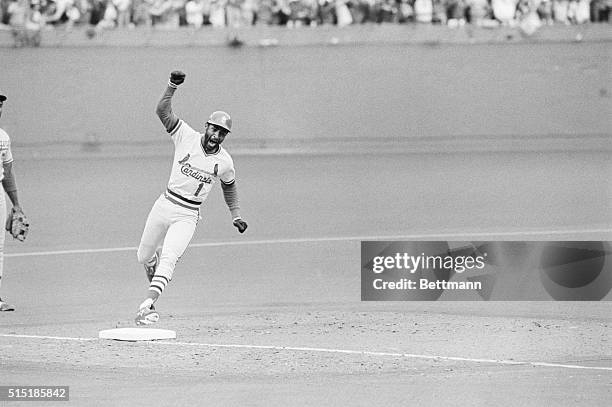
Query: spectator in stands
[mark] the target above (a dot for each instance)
(479, 12)
(455, 10)
(109, 20)
(405, 12)
(326, 13)
(84, 7)
(578, 11)
(343, 15)
(584, 11)
(58, 12)
(383, 11)
(176, 14)
(140, 13)
(560, 8)
(24, 28)
(157, 9)
(3, 13)
(545, 12)
(423, 11)
(439, 13)
(17, 11)
(36, 20)
(194, 13)
(124, 10)
(600, 10)
(74, 16)
(165, 14)
(233, 13)
(302, 12)
(361, 10)
(98, 7)
(522, 9)
(281, 12)
(265, 14)
(249, 12)
(217, 13)
(294, 13)
(504, 11)
(207, 4)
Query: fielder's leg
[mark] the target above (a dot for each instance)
(3, 305)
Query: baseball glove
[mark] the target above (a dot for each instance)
(17, 224)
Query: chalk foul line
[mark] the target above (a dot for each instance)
(333, 350)
(422, 236)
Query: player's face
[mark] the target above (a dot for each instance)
(213, 137)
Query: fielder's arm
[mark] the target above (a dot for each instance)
(9, 184)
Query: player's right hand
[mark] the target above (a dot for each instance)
(177, 77)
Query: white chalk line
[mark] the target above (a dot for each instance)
(471, 235)
(332, 350)
(59, 338)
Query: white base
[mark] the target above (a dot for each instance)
(137, 334)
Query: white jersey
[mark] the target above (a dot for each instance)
(5, 151)
(194, 172)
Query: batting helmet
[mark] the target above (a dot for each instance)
(221, 119)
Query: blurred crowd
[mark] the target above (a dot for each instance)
(110, 14)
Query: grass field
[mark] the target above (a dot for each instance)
(274, 317)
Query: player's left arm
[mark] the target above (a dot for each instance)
(16, 221)
(10, 185)
(230, 194)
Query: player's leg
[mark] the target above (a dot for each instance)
(153, 234)
(3, 305)
(177, 239)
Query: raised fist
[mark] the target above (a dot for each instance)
(177, 77)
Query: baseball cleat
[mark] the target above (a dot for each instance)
(147, 316)
(150, 269)
(6, 307)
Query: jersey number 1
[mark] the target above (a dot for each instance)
(199, 189)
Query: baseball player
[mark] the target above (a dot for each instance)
(199, 161)
(16, 223)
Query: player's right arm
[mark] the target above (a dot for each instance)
(164, 106)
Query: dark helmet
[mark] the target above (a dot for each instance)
(221, 119)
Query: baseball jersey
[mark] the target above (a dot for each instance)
(5, 151)
(194, 172)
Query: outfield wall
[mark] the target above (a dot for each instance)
(397, 88)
